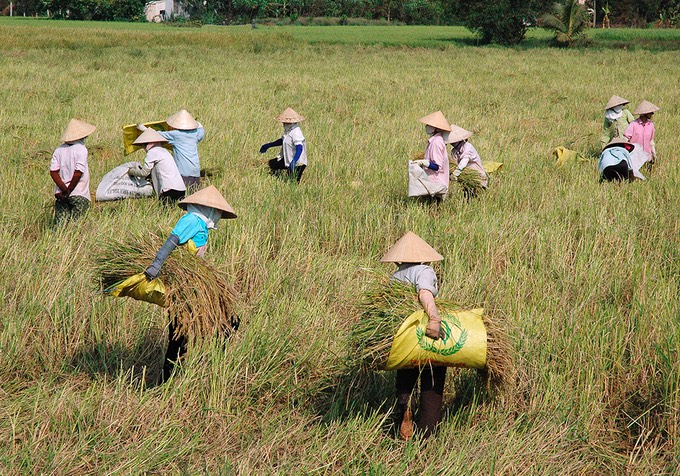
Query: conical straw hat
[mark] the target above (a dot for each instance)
(436, 119)
(148, 136)
(620, 142)
(76, 130)
(209, 197)
(411, 249)
(289, 116)
(646, 107)
(457, 134)
(182, 120)
(616, 101)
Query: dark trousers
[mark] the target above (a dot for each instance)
(169, 197)
(177, 347)
(191, 183)
(277, 167)
(70, 208)
(432, 380)
(619, 172)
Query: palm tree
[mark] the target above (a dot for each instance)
(569, 21)
(605, 19)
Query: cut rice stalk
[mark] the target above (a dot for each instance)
(199, 298)
(470, 181)
(384, 308)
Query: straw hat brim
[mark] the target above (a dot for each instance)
(209, 197)
(616, 101)
(76, 130)
(646, 107)
(411, 248)
(438, 120)
(289, 116)
(619, 142)
(457, 134)
(149, 136)
(182, 120)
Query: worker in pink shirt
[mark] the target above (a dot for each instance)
(70, 172)
(435, 162)
(641, 130)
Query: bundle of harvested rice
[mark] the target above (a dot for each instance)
(199, 298)
(470, 182)
(383, 310)
(418, 156)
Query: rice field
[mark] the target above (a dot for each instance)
(586, 275)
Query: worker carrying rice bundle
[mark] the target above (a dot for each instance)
(429, 176)
(184, 135)
(419, 338)
(616, 119)
(204, 209)
(201, 300)
(293, 156)
(165, 177)
(70, 172)
(469, 170)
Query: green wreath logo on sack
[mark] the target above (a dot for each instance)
(462, 344)
(429, 344)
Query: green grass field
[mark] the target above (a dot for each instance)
(586, 274)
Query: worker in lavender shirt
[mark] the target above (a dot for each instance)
(184, 136)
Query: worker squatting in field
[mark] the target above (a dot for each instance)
(293, 157)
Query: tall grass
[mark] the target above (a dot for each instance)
(586, 274)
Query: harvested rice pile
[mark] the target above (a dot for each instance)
(199, 298)
(470, 182)
(384, 308)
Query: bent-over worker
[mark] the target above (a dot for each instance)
(165, 177)
(621, 160)
(184, 136)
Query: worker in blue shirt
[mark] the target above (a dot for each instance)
(204, 209)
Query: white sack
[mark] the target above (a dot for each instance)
(638, 157)
(117, 185)
(420, 185)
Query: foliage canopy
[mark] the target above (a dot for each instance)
(568, 20)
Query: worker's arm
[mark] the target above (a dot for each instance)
(298, 153)
(60, 183)
(77, 175)
(154, 269)
(139, 170)
(434, 321)
(265, 147)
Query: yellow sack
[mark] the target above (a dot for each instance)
(191, 247)
(130, 133)
(564, 155)
(491, 166)
(139, 288)
(463, 344)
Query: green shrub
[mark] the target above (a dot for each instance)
(504, 22)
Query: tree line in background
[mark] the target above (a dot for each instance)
(499, 21)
